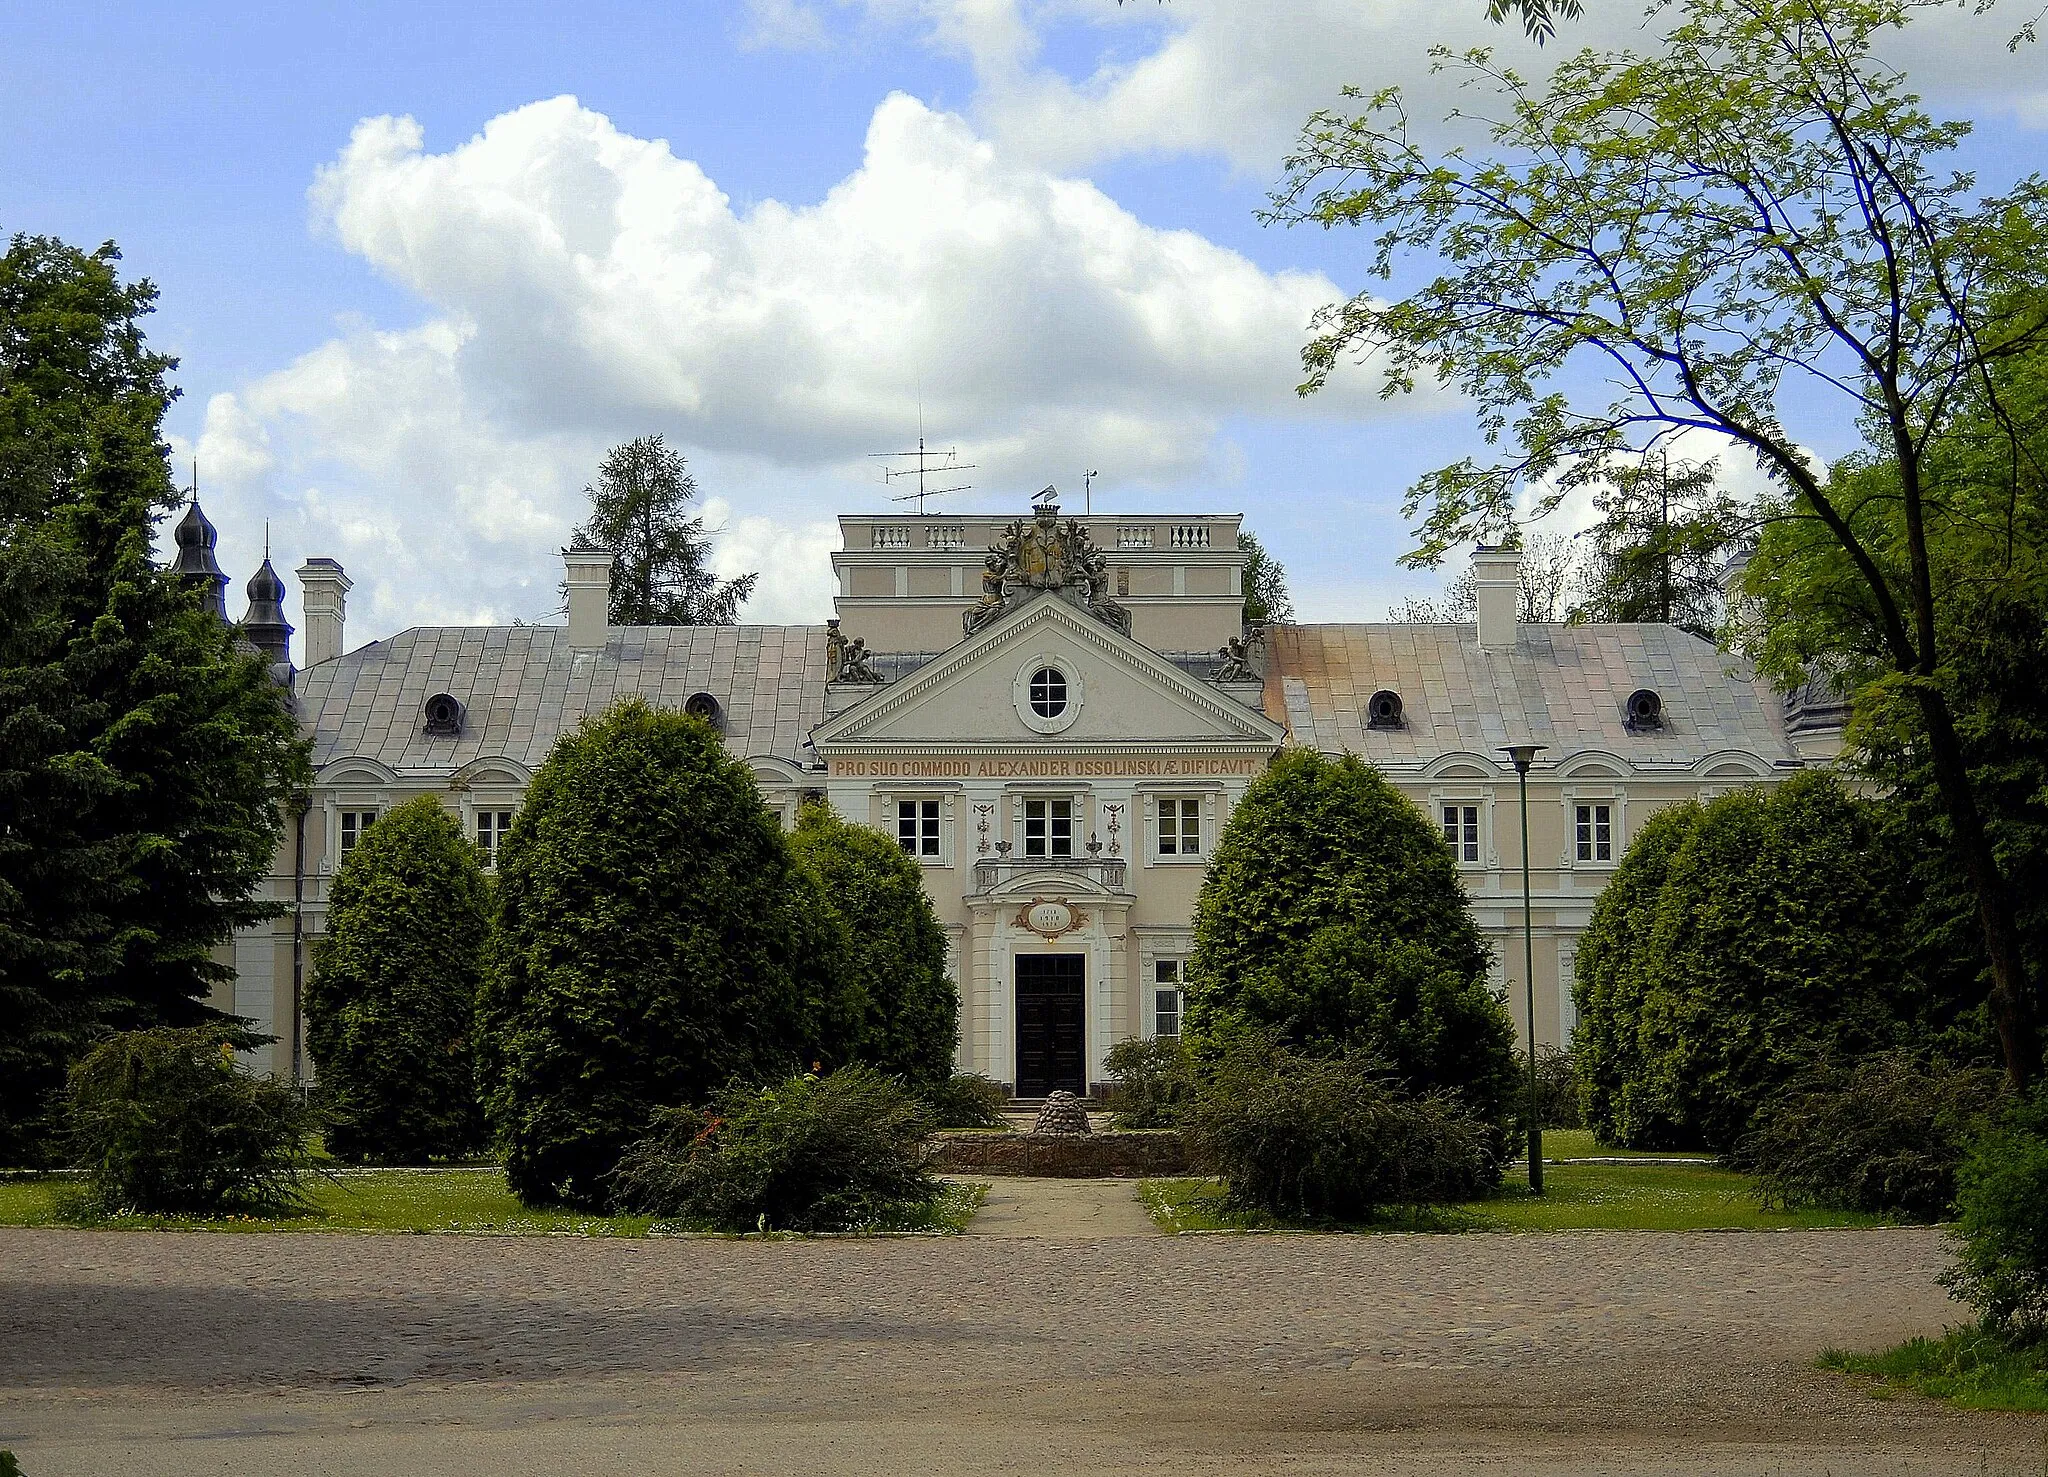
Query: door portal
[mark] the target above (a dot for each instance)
(1051, 1007)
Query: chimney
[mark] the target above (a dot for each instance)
(324, 591)
(1497, 582)
(590, 594)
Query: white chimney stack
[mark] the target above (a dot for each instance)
(590, 594)
(324, 591)
(1497, 582)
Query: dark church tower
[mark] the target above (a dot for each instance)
(195, 563)
(265, 627)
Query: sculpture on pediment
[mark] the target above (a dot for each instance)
(1044, 554)
(847, 661)
(1241, 657)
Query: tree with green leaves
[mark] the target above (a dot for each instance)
(902, 1010)
(1757, 201)
(663, 576)
(1548, 576)
(1265, 584)
(1333, 920)
(391, 1005)
(654, 939)
(145, 759)
(1665, 532)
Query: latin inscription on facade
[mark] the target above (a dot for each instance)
(1134, 766)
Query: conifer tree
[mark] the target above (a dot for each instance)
(392, 1000)
(663, 574)
(144, 758)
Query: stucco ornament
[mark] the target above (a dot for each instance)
(1045, 554)
(1050, 917)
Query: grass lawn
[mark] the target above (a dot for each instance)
(469, 1201)
(1578, 1197)
(1965, 1367)
(1577, 1143)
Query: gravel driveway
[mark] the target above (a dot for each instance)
(169, 1354)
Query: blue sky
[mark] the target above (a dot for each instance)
(405, 343)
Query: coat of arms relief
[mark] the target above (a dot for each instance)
(1045, 554)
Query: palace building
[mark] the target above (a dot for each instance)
(1054, 716)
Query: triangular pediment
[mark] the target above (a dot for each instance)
(1122, 693)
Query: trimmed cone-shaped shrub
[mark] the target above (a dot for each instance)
(164, 1123)
(391, 1004)
(1610, 979)
(897, 1009)
(1777, 943)
(654, 941)
(1332, 918)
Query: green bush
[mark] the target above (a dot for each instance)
(2001, 1230)
(833, 1153)
(1610, 979)
(164, 1123)
(1332, 916)
(1150, 1081)
(1776, 940)
(654, 940)
(901, 1011)
(391, 1004)
(1332, 1138)
(1884, 1134)
(965, 1100)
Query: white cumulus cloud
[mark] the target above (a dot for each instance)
(582, 285)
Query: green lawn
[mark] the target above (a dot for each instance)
(1966, 1367)
(469, 1201)
(1578, 1197)
(1577, 1143)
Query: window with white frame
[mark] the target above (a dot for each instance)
(491, 826)
(1461, 832)
(1048, 828)
(353, 824)
(1593, 832)
(917, 827)
(1180, 825)
(1166, 997)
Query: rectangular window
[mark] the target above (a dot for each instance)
(353, 824)
(1166, 997)
(491, 826)
(1461, 831)
(1180, 826)
(917, 826)
(1048, 828)
(1594, 828)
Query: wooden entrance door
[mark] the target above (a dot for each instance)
(1051, 1007)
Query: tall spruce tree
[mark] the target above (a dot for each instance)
(144, 758)
(663, 575)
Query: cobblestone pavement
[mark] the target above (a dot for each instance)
(170, 1354)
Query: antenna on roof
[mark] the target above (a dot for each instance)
(1088, 491)
(925, 462)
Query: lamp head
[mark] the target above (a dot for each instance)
(1523, 755)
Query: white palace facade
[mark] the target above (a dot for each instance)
(1055, 717)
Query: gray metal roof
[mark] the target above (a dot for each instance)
(1563, 686)
(522, 687)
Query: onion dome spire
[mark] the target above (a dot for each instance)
(265, 627)
(195, 564)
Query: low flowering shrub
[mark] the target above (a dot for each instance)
(1332, 1138)
(2001, 1230)
(1886, 1133)
(965, 1100)
(164, 1123)
(1150, 1082)
(833, 1153)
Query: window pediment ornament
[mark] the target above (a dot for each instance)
(1045, 555)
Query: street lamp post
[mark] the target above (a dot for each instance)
(1523, 755)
